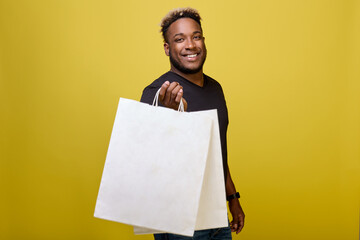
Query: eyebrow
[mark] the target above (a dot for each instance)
(180, 34)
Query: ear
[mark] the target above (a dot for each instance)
(166, 48)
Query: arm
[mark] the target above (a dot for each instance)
(234, 205)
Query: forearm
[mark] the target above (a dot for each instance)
(229, 186)
(234, 205)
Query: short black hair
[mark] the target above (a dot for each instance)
(176, 14)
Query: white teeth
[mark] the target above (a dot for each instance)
(191, 56)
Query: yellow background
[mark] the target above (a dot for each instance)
(290, 72)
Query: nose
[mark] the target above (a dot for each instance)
(190, 44)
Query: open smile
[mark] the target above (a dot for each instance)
(191, 56)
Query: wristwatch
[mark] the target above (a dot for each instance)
(232, 196)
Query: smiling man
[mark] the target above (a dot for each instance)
(184, 43)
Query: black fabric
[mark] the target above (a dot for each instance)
(209, 96)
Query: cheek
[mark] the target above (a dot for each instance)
(202, 46)
(176, 49)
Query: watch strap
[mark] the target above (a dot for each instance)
(233, 196)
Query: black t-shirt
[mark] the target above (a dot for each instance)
(209, 96)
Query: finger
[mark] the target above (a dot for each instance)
(163, 89)
(241, 223)
(179, 96)
(235, 223)
(240, 228)
(174, 94)
(185, 104)
(233, 226)
(167, 98)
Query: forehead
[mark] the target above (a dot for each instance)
(184, 26)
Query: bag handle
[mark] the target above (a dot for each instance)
(156, 101)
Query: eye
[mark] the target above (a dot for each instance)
(179, 39)
(198, 37)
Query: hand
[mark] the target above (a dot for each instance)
(171, 94)
(238, 215)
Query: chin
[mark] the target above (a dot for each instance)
(190, 70)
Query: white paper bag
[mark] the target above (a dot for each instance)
(155, 168)
(212, 211)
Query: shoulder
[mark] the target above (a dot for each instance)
(212, 83)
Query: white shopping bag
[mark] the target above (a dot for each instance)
(212, 211)
(155, 169)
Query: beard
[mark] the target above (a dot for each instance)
(184, 69)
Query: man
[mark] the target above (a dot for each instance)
(185, 46)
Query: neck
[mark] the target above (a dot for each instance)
(196, 78)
